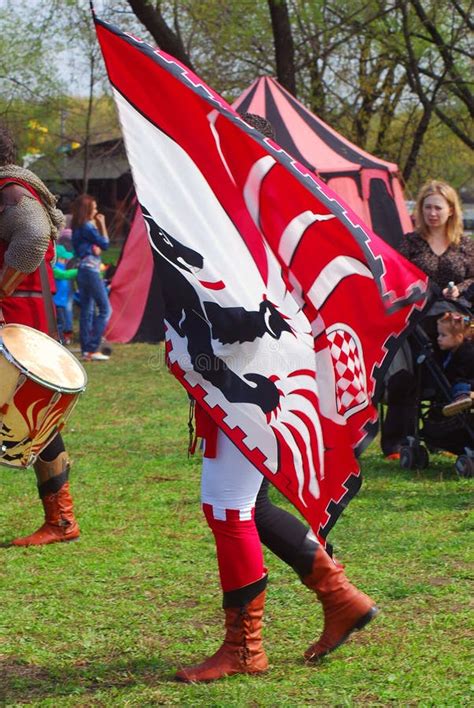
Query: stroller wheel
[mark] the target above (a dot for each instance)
(464, 466)
(423, 458)
(414, 457)
(407, 458)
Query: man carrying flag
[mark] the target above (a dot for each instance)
(239, 536)
(266, 280)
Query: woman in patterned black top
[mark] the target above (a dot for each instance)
(439, 248)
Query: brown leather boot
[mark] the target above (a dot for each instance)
(60, 523)
(242, 651)
(345, 608)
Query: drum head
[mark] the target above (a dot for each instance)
(43, 358)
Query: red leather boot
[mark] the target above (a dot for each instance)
(242, 650)
(345, 607)
(60, 523)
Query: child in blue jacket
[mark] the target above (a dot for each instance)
(64, 292)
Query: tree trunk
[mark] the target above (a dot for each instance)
(166, 39)
(284, 47)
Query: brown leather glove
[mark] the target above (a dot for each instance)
(10, 278)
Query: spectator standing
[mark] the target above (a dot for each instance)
(89, 239)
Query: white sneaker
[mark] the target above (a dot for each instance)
(98, 356)
(95, 356)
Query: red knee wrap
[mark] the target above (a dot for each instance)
(239, 551)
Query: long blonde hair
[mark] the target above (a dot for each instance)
(454, 225)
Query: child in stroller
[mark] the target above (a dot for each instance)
(444, 395)
(455, 335)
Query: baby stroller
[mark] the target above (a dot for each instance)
(433, 431)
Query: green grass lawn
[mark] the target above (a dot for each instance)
(107, 620)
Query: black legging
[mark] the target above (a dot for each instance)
(282, 533)
(53, 449)
(50, 453)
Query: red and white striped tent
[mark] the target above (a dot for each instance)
(370, 186)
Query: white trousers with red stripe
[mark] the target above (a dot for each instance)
(229, 488)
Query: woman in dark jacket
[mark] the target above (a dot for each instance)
(439, 248)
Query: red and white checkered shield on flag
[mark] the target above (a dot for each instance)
(351, 380)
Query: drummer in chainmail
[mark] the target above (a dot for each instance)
(29, 224)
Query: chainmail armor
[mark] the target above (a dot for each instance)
(28, 225)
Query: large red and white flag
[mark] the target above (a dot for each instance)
(282, 309)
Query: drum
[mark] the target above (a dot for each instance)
(40, 383)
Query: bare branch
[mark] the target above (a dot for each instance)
(454, 126)
(445, 52)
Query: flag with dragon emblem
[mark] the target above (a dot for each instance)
(282, 309)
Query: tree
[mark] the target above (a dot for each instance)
(25, 74)
(380, 70)
(314, 45)
(169, 39)
(386, 73)
(78, 15)
(284, 46)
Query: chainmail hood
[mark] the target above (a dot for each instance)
(48, 200)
